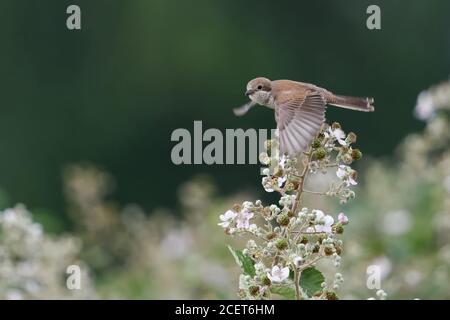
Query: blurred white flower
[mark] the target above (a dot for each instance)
(277, 274)
(424, 109)
(447, 183)
(413, 277)
(227, 218)
(342, 218)
(397, 222)
(384, 264)
(177, 244)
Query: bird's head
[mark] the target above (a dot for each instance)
(258, 90)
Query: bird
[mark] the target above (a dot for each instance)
(299, 109)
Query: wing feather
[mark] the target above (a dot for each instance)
(299, 120)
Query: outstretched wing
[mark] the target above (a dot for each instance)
(299, 120)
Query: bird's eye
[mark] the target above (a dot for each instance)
(259, 87)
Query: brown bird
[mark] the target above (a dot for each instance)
(299, 108)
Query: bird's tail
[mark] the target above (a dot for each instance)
(354, 103)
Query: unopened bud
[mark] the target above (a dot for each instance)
(320, 153)
(351, 137)
(335, 125)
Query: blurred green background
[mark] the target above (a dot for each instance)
(112, 93)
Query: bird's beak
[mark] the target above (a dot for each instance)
(249, 92)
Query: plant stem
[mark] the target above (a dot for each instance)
(297, 273)
(315, 192)
(302, 182)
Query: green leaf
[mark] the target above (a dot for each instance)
(288, 293)
(243, 261)
(311, 280)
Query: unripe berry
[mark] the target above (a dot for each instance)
(331, 295)
(356, 154)
(265, 280)
(253, 290)
(338, 229)
(281, 244)
(328, 251)
(320, 153)
(283, 219)
(316, 143)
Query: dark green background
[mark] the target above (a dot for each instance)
(112, 93)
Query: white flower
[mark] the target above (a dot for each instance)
(337, 134)
(267, 184)
(447, 183)
(342, 218)
(396, 223)
(345, 173)
(243, 218)
(227, 218)
(264, 158)
(281, 181)
(323, 222)
(277, 274)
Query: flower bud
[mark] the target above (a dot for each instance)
(335, 125)
(264, 158)
(298, 261)
(351, 137)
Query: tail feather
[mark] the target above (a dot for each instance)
(354, 103)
